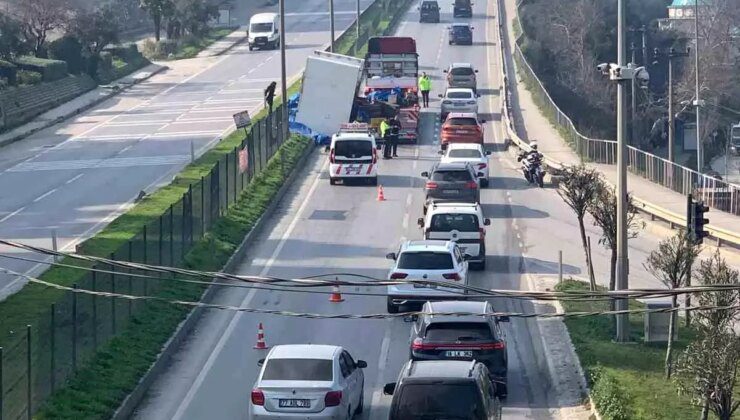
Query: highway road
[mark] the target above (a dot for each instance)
(77, 176)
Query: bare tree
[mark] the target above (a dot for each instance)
(671, 264)
(578, 188)
(39, 18)
(603, 209)
(708, 369)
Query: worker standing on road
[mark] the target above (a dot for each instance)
(425, 85)
(384, 134)
(395, 131)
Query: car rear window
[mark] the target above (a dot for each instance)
(439, 401)
(448, 222)
(353, 148)
(462, 121)
(298, 370)
(458, 331)
(462, 30)
(429, 5)
(464, 153)
(426, 260)
(451, 176)
(459, 95)
(462, 71)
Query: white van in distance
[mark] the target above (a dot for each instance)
(264, 31)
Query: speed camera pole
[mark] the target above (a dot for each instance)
(622, 260)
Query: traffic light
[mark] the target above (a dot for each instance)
(698, 221)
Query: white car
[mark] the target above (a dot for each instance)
(308, 381)
(462, 223)
(353, 154)
(459, 100)
(472, 153)
(439, 261)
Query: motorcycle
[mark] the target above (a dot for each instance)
(532, 168)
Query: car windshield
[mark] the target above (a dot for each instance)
(462, 71)
(451, 176)
(448, 222)
(462, 121)
(353, 148)
(261, 27)
(439, 401)
(425, 260)
(458, 331)
(461, 30)
(459, 95)
(298, 370)
(464, 153)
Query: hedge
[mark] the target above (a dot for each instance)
(8, 71)
(68, 49)
(51, 70)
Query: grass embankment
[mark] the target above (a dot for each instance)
(627, 381)
(99, 387)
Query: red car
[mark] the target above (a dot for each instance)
(461, 127)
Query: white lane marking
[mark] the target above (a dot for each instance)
(405, 222)
(44, 195)
(8, 216)
(382, 362)
(185, 403)
(521, 245)
(518, 236)
(343, 12)
(102, 163)
(408, 198)
(78, 176)
(125, 149)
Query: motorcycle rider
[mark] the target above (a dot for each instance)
(532, 159)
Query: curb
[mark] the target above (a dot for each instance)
(134, 398)
(230, 47)
(85, 107)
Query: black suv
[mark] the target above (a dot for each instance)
(429, 11)
(451, 182)
(474, 337)
(462, 8)
(460, 34)
(443, 390)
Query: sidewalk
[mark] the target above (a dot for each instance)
(225, 44)
(533, 125)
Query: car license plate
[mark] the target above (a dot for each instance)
(460, 132)
(292, 403)
(450, 191)
(459, 353)
(421, 286)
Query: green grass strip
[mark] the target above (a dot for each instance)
(191, 46)
(626, 380)
(97, 390)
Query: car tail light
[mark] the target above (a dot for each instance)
(258, 398)
(333, 398)
(431, 185)
(418, 344)
(331, 156)
(398, 276)
(498, 345)
(451, 276)
(471, 185)
(482, 166)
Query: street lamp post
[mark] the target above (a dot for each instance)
(672, 53)
(331, 24)
(283, 81)
(357, 30)
(699, 152)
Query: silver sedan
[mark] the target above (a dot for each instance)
(459, 100)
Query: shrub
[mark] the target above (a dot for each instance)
(50, 69)
(28, 77)
(106, 61)
(8, 71)
(611, 400)
(68, 49)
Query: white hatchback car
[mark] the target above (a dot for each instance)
(472, 153)
(308, 381)
(439, 261)
(458, 100)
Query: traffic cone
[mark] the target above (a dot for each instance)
(381, 196)
(336, 295)
(261, 345)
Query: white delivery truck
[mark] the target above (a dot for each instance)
(330, 83)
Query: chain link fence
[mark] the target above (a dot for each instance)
(40, 358)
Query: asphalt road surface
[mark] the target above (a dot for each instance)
(77, 176)
(323, 229)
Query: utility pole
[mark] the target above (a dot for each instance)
(622, 272)
(633, 104)
(699, 157)
(283, 80)
(331, 24)
(644, 46)
(357, 30)
(672, 53)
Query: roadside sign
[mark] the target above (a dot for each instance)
(243, 160)
(241, 119)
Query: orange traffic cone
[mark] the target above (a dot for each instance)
(381, 196)
(336, 295)
(261, 345)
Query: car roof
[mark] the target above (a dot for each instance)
(440, 369)
(304, 351)
(459, 146)
(353, 136)
(457, 65)
(467, 90)
(448, 207)
(452, 166)
(426, 245)
(475, 307)
(263, 17)
(462, 115)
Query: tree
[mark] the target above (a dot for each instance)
(96, 29)
(10, 37)
(671, 264)
(708, 369)
(158, 10)
(39, 18)
(578, 188)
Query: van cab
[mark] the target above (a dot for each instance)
(264, 31)
(353, 154)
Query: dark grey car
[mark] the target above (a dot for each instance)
(451, 182)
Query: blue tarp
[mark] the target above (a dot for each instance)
(302, 129)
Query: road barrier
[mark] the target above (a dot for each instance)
(42, 357)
